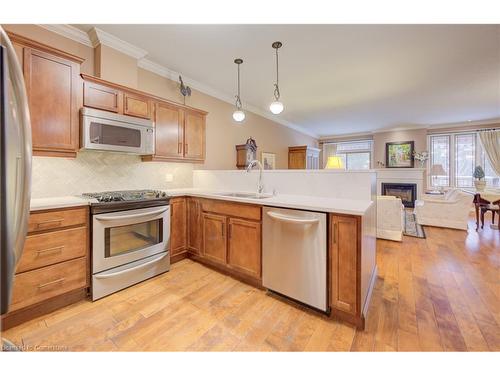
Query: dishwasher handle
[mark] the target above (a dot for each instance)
(291, 219)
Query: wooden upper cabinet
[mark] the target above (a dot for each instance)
(54, 92)
(136, 105)
(244, 246)
(344, 250)
(178, 225)
(169, 131)
(214, 237)
(102, 97)
(303, 157)
(194, 135)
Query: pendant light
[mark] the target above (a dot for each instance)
(238, 114)
(276, 107)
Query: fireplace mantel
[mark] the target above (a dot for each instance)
(402, 175)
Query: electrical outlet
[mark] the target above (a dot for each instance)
(169, 177)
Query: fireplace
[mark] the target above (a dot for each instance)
(407, 192)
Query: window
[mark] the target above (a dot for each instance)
(355, 154)
(440, 154)
(459, 153)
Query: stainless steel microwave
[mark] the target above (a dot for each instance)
(105, 131)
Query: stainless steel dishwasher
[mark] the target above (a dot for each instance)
(294, 255)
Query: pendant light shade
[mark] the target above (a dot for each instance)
(238, 114)
(276, 107)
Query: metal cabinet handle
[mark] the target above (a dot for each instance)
(61, 280)
(179, 148)
(222, 227)
(52, 249)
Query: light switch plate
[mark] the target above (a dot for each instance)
(169, 177)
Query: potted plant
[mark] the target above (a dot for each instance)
(479, 181)
(421, 157)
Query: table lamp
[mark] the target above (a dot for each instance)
(438, 170)
(334, 162)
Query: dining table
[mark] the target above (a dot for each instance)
(485, 198)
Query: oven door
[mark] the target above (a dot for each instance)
(122, 237)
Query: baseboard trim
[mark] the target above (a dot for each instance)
(23, 315)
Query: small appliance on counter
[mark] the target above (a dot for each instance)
(130, 238)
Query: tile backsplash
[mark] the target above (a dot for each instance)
(93, 171)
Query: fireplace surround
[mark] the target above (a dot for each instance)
(407, 192)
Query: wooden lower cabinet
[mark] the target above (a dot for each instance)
(178, 225)
(214, 237)
(344, 243)
(194, 225)
(54, 269)
(244, 246)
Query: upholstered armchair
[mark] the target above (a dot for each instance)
(390, 218)
(449, 211)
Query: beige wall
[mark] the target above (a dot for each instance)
(223, 134)
(114, 66)
(419, 136)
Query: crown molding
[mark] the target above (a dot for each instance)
(97, 36)
(201, 87)
(70, 32)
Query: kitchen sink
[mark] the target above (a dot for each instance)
(245, 195)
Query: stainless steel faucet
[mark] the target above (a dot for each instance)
(252, 164)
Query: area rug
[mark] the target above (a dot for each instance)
(412, 228)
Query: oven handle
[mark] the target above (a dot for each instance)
(108, 275)
(133, 216)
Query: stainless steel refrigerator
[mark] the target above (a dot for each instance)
(15, 167)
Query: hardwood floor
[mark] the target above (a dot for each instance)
(441, 293)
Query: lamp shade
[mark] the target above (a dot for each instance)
(334, 162)
(437, 170)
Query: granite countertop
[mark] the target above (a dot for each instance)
(302, 202)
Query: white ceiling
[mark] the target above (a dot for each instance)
(340, 79)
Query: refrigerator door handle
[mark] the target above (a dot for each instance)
(23, 116)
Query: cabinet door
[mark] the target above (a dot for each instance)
(136, 105)
(177, 226)
(344, 253)
(214, 237)
(194, 135)
(102, 97)
(194, 225)
(169, 131)
(244, 247)
(54, 94)
(296, 160)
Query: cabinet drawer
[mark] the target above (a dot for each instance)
(136, 105)
(39, 221)
(42, 250)
(246, 211)
(47, 282)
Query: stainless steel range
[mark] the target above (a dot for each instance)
(130, 238)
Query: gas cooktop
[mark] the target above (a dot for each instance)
(126, 195)
(108, 201)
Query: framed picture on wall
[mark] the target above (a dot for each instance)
(399, 154)
(269, 160)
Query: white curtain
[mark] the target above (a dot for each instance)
(491, 144)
